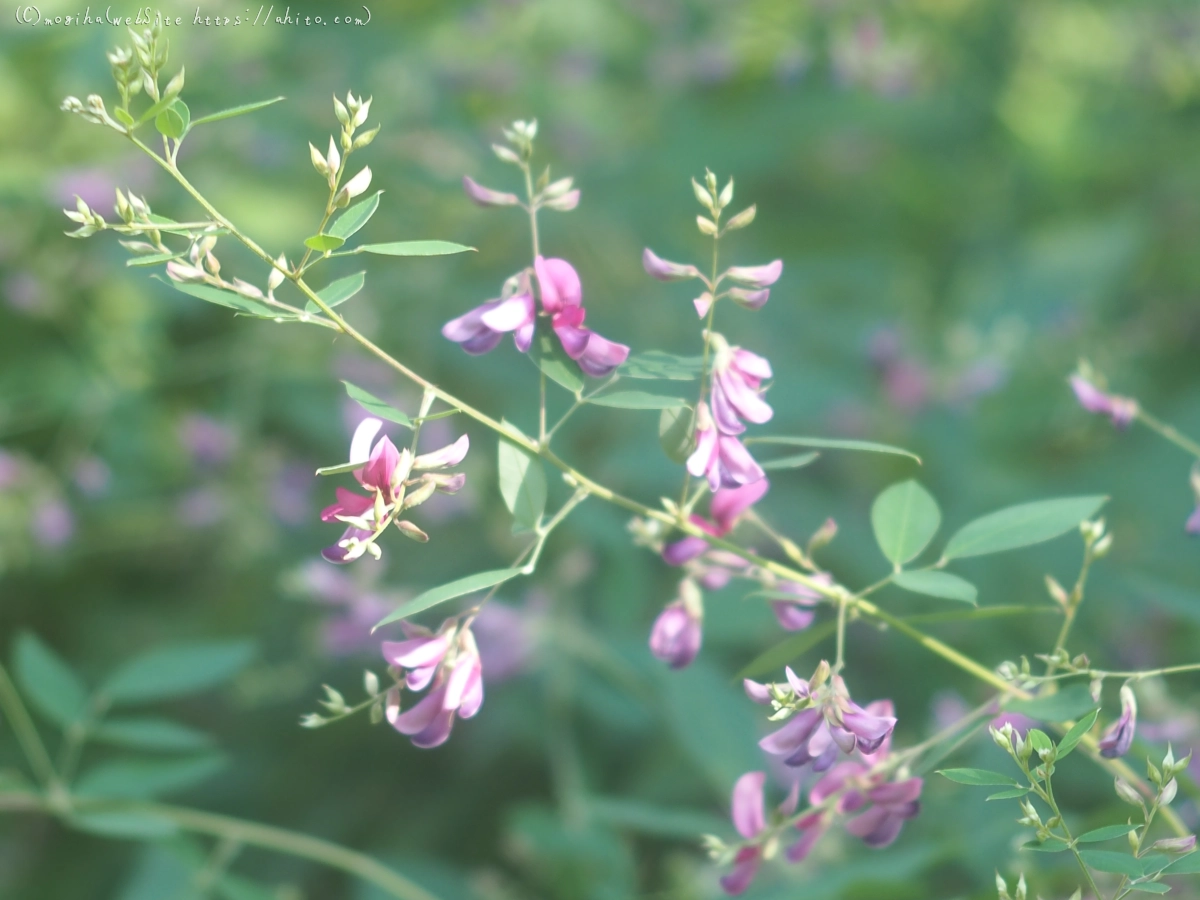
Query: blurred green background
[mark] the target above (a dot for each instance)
(968, 196)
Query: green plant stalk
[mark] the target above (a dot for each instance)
(1169, 432)
(1048, 795)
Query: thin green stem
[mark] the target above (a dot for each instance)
(840, 660)
(1169, 432)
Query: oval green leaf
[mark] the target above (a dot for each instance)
(220, 297)
(143, 778)
(1107, 833)
(134, 826)
(177, 670)
(659, 365)
(675, 433)
(442, 593)
(375, 406)
(324, 243)
(354, 218)
(47, 681)
(235, 111)
(414, 248)
(978, 777)
(338, 292)
(151, 734)
(932, 583)
(835, 444)
(1075, 735)
(905, 518)
(1112, 861)
(1021, 526)
(1069, 703)
(522, 484)
(637, 400)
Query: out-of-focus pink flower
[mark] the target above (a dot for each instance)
(1192, 526)
(1121, 410)
(737, 388)
(202, 507)
(665, 270)
(797, 611)
(726, 507)
(53, 524)
(755, 276)
(486, 196)
(448, 663)
(720, 458)
(91, 475)
(679, 629)
(209, 442)
(507, 637)
(749, 818)
(290, 493)
(1118, 738)
(10, 469)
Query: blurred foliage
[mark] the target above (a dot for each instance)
(968, 195)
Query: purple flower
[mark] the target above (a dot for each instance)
(486, 196)
(1119, 737)
(749, 299)
(749, 818)
(798, 613)
(679, 628)
(720, 458)
(1121, 410)
(665, 270)
(728, 505)
(53, 524)
(481, 329)
(737, 388)
(209, 442)
(755, 276)
(562, 299)
(893, 805)
(448, 663)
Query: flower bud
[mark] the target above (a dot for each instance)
(275, 278)
(505, 154)
(742, 219)
(749, 299)
(364, 110)
(375, 714)
(1127, 792)
(484, 196)
(1021, 889)
(706, 226)
(246, 289)
(178, 271)
(1095, 687)
(71, 105)
(318, 160)
(1002, 889)
(557, 188)
(702, 194)
(726, 195)
(175, 85)
(423, 492)
(333, 159)
(312, 720)
(358, 183)
(339, 110)
(365, 138)
(370, 683)
(1175, 844)
(1057, 593)
(755, 276)
(1167, 795)
(409, 530)
(1102, 546)
(565, 203)
(665, 270)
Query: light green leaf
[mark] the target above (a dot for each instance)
(1021, 526)
(177, 670)
(1150, 887)
(1107, 833)
(151, 734)
(796, 461)
(1069, 703)
(548, 355)
(978, 777)
(235, 111)
(932, 583)
(153, 259)
(220, 297)
(414, 248)
(354, 218)
(905, 518)
(1075, 735)
(47, 681)
(324, 242)
(1112, 861)
(375, 406)
(143, 778)
(442, 593)
(675, 433)
(174, 120)
(637, 400)
(1048, 847)
(834, 444)
(657, 365)
(136, 826)
(522, 484)
(1039, 739)
(1010, 794)
(1185, 865)
(338, 292)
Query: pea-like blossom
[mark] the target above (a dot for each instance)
(728, 505)
(755, 276)
(562, 299)
(749, 818)
(721, 458)
(481, 329)
(1121, 410)
(1117, 740)
(797, 611)
(448, 664)
(737, 387)
(664, 269)
(484, 196)
(678, 631)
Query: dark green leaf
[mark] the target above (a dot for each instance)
(655, 364)
(1185, 865)
(522, 484)
(47, 681)
(905, 518)
(177, 670)
(834, 444)
(137, 826)
(151, 734)
(977, 777)
(937, 584)
(375, 406)
(442, 593)
(413, 248)
(1107, 833)
(675, 433)
(339, 291)
(143, 778)
(1112, 861)
(1075, 735)
(354, 218)
(1021, 526)
(797, 461)
(324, 242)
(637, 400)
(1069, 703)
(235, 111)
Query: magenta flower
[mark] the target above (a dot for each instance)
(678, 631)
(481, 329)
(798, 613)
(1121, 410)
(737, 387)
(1119, 737)
(892, 805)
(755, 276)
(749, 818)
(486, 196)
(447, 663)
(720, 458)
(727, 506)
(562, 299)
(749, 299)
(665, 270)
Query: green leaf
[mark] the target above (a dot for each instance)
(1069, 703)
(522, 484)
(173, 121)
(675, 433)
(151, 734)
(354, 218)
(1185, 865)
(221, 297)
(937, 584)
(234, 887)
(1039, 739)
(414, 248)
(1112, 861)
(47, 681)
(1021, 526)
(977, 777)
(548, 355)
(834, 444)
(647, 818)
(323, 243)
(143, 778)
(1150, 887)
(338, 292)
(787, 651)
(154, 109)
(1009, 795)
(177, 670)
(1107, 833)
(796, 461)
(1048, 847)
(905, 518)
(137, 826)
(1075, 735)
(153, 259)
(375, 406)
(235, 111)
(442, 593)
(637, 400)
(657, 365)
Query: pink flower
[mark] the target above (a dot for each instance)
(448, 663)
(1121, 410)
(737, 388)
(727, 506)
(749, 818)
(486, 196)
(481, 329)
(679, 629)
(797, 614)
(749, 299)
(1117, 740)
(562, 299)
(665, 270)
(720, 458)
(755, 276)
